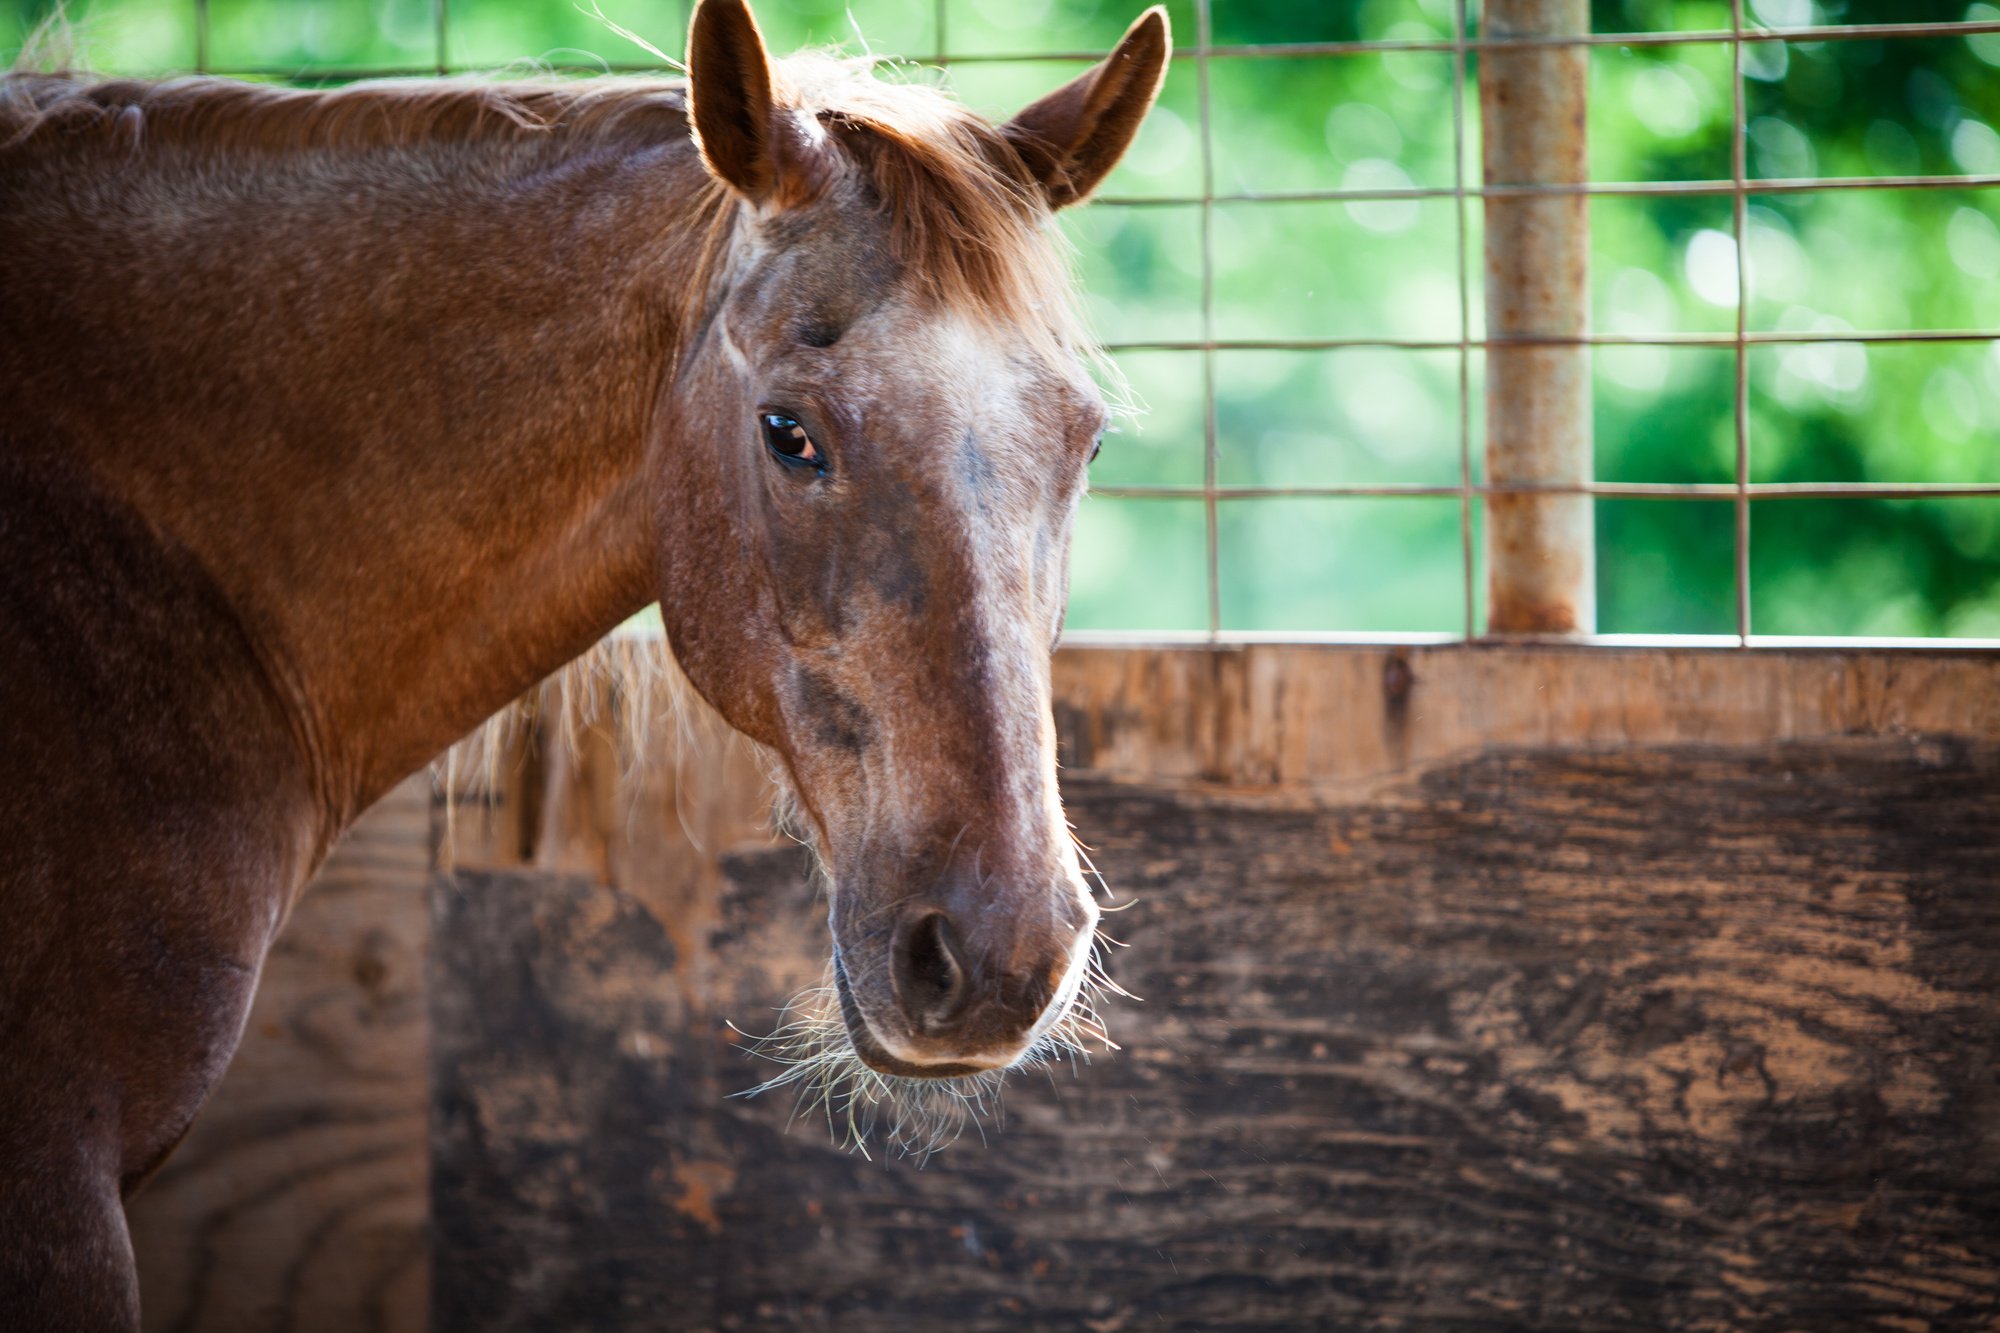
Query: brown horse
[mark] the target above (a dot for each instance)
(331, 421)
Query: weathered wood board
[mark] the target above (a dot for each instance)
(299, 1203)
(1483, 989)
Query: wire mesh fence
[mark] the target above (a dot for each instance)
(1223, 516)
(1742, 490)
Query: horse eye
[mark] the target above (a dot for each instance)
(789, 441)
(1096, 448)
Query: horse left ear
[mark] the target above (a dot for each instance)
(771, 155)
(1072, 138)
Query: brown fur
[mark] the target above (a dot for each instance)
(331, 422)
(965, 214)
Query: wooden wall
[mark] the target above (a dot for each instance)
(1495, 988)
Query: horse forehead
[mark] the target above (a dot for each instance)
(1004, 388)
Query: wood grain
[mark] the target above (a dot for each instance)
(1493, 988)
(1339, 719)
(299, 1203)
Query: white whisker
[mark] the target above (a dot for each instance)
(915, 1117)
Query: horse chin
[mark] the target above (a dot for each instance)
(870, 1051)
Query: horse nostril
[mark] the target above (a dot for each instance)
(930, 979)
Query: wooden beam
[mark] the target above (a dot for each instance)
(1342, 718)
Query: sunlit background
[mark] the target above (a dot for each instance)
(1879, 260)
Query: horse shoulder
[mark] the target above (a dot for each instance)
(154, 819)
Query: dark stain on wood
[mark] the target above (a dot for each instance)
(1674, 1036)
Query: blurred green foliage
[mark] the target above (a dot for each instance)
(1886, 259)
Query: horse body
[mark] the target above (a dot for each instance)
(227, 628)
(330, 423)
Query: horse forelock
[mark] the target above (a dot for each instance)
(966, 224)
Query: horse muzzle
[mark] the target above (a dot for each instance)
(953, 1001)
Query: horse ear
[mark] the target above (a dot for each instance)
(1072, 138)
(771, 155)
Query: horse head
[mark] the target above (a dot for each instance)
(872, 451)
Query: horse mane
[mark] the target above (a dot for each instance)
(966, 223)
(223, 115)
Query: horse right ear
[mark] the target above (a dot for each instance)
(773, 156)
(1072, 138)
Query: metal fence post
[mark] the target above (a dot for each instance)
(1532, 99)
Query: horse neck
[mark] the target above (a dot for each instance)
(396, 406)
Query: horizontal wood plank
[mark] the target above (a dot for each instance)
(1267, 715)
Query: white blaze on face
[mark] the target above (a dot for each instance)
(1005, 463)
(998, 456)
